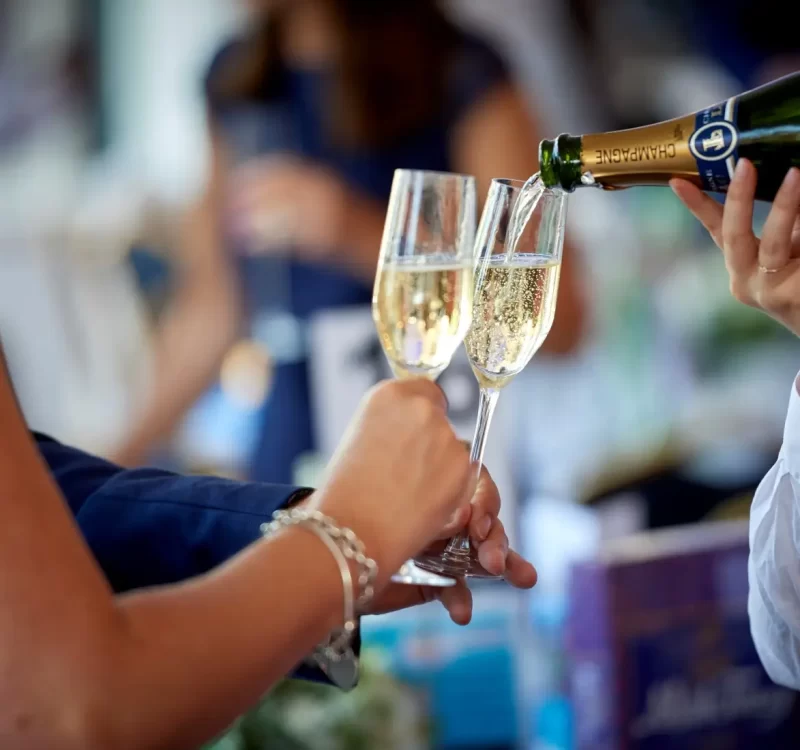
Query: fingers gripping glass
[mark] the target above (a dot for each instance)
(516, 285)
(422, 300)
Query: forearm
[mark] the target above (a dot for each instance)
(196, 656)
(189, 349)
(773, 605)
(147, 528)
(199, 327)
(186, 658)
(183, 661)
(774, 601)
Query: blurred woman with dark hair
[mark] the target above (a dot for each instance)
(311, 111)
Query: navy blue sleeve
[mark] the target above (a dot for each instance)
(147, 527)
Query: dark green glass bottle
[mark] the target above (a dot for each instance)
(762, 125)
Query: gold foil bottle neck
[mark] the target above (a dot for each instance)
(650, 155)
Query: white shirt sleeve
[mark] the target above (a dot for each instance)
(774, 563)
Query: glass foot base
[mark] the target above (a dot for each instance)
(456, 564)
(412, 575)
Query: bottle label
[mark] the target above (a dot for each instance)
(641, 156)
(714, 145)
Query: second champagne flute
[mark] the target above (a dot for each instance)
(517, 267)
(422, 301)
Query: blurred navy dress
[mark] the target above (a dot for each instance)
(282, 295)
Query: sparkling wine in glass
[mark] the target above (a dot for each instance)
(518, 261)
(422, 300)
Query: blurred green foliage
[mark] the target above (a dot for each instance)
(380, 713)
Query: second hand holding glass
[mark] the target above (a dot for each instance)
(518, 263)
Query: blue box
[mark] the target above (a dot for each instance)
(467, 675)
(660, 651)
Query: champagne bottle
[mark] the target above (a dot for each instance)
(762, 125)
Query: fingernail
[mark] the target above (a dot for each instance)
(483, 527)
(741, 167)
(677, 188)
(500, 562)
(792, 177)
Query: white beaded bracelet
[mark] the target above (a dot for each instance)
(338, 645)
(346, 540)
(344, 545)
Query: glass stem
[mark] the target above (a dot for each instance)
(486, 406)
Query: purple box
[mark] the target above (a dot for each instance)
(660, 652)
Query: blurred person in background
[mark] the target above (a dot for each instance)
(116, 591)
(765, 274)
(748, 37)
(311, 110)
(627, 45)
(72, 323)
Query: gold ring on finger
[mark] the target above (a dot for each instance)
(764, 269)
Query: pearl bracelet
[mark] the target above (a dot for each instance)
(345, 539)
(344, 545)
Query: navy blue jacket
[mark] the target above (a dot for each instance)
(148, 527)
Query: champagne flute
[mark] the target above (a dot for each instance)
(517, 267)
(422, 300)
